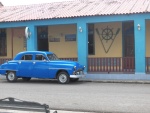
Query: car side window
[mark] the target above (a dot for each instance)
(27, 57)
(40, 57)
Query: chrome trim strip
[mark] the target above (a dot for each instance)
(61, 68)
(9, 69)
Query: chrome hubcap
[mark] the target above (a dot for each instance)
(62, 78)
(11, 76)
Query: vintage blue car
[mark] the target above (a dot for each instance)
(40, 64)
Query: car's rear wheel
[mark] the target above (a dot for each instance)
(25, 79)
(63, 77)
(74, 79)
(11, 76)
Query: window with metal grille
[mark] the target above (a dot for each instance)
(3, 43)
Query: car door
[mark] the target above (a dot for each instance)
(40, 67)
(26, 66)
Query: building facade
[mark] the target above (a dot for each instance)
(110, 38)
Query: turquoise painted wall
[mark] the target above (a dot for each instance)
(82, 43)
(140, 45)
(32, 41)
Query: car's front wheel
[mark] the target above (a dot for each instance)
(11, 76)
(63, 78)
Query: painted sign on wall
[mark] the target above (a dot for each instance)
(107, 37)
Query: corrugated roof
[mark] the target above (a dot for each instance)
(69, 9)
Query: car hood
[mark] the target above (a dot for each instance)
(67, 63)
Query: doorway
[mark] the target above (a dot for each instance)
(91, 44)
(42, 38)
(128, 45)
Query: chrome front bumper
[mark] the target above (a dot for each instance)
(77, 76)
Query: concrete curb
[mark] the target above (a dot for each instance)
(63, 111)
(117, 81)
(51, 111)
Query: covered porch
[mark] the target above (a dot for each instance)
(116, 65)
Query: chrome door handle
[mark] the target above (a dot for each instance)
(19, 62)
(33, 62)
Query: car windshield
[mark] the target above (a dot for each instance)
(52, 57)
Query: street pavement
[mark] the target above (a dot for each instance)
(82, 96)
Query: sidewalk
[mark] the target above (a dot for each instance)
(117, 78)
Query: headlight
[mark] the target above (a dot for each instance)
(74, 67)
(83, 67)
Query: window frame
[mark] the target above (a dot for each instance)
(43, 57)
(26, 55)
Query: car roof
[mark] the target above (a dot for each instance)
(31, 52)
(35, 52)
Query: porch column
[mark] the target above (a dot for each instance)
(140, 45)
(82, 43)
(32, 41)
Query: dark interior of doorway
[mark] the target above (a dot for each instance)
(128, 45)
(42, 35)
(128, 36)
(91, 44)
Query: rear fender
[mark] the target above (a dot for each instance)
(9, 67)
